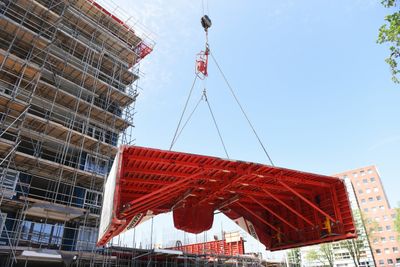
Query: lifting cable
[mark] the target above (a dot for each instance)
(201, 73)
(183, 113)
(241, 108)
(215, 122)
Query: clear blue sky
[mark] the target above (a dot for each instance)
(309, 73)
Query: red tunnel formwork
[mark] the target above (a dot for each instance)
(281, 208)
(217, 247)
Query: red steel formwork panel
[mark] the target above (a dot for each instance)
(281, 208)
(217, 247)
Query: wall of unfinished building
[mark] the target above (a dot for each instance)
(67, 93)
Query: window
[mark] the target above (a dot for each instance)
(368, 190)
(369, 171)
(372, 179)
(366, 209)
(344, 176)
(387, 251)
(380, 229)
(87, 237)
(381, 262)
(373, 209)
(41, 233)
(377, 219)
(376, 189)
(385, 218)
(395, 249)
(379, 198)
(390, 261)
(360, 191)
(397, 260)
(8, 182)
(382, 207)
(383, 239)
(375, 240)
(96, 164)
(391, 238)
(363, 200)
(355, 174)
(388, 227)
(378, 251)
(3, 217)
(370, 199)
(362, 173)
(93, 198)
(365, 181)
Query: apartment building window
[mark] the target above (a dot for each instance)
(365, 180)
(383, 239)
(387, 251)
(8, 181)
(41, 233)
(376, 189)
(360, 191)
(93, 198)
(397, 260)
(372, 179)
(377, 219)
(379, 198)
(388, 227)
(391, 238)
(355, 174)
(395, 249)
(95, 164)
(369, 171)
(378, 251)
(380, 229)
(373, 209)
(362, 173)
(385, 218)
(366, 209)
(363, 200)
(381, 262)
(375, 240)
(87, 237)
(368, 190)
(370, 199)
(3, 217)
(390, 261)
(382, 207)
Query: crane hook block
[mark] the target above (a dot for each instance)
(206, 22)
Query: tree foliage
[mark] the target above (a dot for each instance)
(390, 33)
(397, 223)
(324, 254)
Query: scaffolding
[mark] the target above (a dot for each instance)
(68, 85)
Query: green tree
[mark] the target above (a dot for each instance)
(324, 254)
(390, 33)
(397, 223)
(294, 256)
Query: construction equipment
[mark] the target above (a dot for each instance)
(276, 206)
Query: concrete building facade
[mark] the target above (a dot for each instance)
(379, 216)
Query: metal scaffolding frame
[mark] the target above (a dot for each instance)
(68, 84)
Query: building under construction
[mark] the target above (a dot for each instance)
(67, 92)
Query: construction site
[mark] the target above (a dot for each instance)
(68, 87)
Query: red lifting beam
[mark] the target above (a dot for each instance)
(270, 203)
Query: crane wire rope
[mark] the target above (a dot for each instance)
(242, 109)
(186, 122)
(215, 123)
(183, 112)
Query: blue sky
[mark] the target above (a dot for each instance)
(309, 74)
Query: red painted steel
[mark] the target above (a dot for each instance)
(282, 208)
(218, 247)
